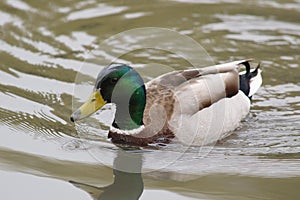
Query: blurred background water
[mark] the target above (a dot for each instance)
(43, 48)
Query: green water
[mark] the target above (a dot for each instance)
(47, 47)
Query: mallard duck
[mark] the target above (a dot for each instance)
(193, 106)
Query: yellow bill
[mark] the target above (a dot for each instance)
(94, 103)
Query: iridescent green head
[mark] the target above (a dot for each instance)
(122, 85)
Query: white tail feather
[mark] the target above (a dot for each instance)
(255, 83)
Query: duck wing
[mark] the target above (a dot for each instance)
(203, 86)
(211, 104)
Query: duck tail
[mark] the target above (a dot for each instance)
(251, 80)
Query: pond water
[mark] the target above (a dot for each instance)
(51, 52)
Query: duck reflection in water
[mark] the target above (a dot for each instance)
(128, 181)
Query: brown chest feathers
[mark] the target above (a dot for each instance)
(157, 113)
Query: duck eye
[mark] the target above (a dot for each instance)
(93, 100)
(114, 79)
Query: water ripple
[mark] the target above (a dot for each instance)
(256, 28)
(99, 11)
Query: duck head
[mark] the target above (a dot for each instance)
(121, 85)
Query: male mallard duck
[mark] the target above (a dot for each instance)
(195, 106)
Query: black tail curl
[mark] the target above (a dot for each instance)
(245, 78)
